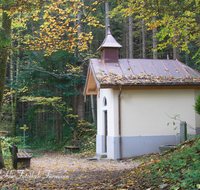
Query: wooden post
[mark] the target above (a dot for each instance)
(14, 152)
(183, 131)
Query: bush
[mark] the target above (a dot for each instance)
(197, 106)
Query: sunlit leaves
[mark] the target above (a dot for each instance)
(60, 28)
(175, 19)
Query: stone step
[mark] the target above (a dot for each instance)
(101, 155)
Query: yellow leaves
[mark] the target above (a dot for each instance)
(45, 15)
(58, 22)
(95, 3)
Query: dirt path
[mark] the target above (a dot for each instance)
(64, 171)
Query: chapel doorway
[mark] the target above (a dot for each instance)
(105, 129)
(105, 124)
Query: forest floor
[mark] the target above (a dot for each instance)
(65, 171)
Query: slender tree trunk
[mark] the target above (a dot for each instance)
(124, 39)
(175, 51)
(186, 54)
(2, 165)
(14, 115)
(130, 37)
(46, 123)
(90, 111)
(107, 15)
(53, 122)
(13, 130)
(81, 104)
(40, 122)
(36, 125)
(127, 37)
(143, 40)
(61, 128)
(155, 53)
(93, 111)
(57, 127)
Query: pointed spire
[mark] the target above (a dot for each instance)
(109, 41)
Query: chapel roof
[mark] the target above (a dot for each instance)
(136, 72)
(139, 72)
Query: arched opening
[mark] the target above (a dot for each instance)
(104, 101)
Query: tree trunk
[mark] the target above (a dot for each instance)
(57, 127)
(93, 111)
(53, 129)
(36, 126)
(124, 39)
(61, 128)
(14, 115)
(80, 97)
(107, 15)
(143, 40)
(130, 37)
(155, 53)
(46, 122)
(127, 37)
(6, 25)
(81, 104)
(175, 52)
(40, 122)
(1, 158)
(186, 54)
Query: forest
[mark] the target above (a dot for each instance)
(45, 47)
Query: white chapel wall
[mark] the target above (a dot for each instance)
(144, 112)
(108, 94)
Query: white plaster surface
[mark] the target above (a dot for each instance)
(146, 112)
(144, 118)
(108, 94)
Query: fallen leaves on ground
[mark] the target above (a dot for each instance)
(177, 168)
(61, 171)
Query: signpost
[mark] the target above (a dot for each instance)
(24, 129)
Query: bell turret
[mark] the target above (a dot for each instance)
(109, 48)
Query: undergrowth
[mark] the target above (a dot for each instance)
(178, 168)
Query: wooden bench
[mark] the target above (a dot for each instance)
(75, 145)
(22, 156)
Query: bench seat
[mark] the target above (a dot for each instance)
(75, 145)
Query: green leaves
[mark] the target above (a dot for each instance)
(4, 38)
(197, 105)
(177, 21)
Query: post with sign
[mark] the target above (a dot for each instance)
(24, 129)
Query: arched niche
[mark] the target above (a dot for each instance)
(104, 101)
